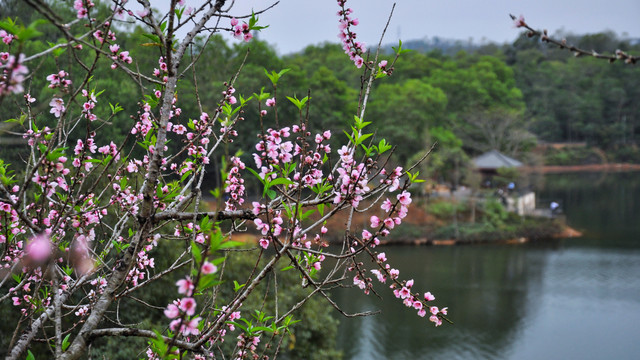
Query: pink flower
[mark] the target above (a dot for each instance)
(404, 198)
(142, 13)
(191, 327)
(57, 107)
(388, 222)
(382, 257)
(358, 61)
(429, 297)
(404, 293)
(39, 248)
(394, 273)
(271, 102)
(208, 268)
(188, 305)
(386, 205)
(375, 221)
(172, 311)
(519, 22)
(382, 64)
(264, 243)
(185, 286)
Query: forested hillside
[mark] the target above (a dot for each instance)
(505, 97)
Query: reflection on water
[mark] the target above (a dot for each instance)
(577, 298)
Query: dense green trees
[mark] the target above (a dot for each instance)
(573, 100)
(523, 92)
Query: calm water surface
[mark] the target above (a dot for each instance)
(568, 299)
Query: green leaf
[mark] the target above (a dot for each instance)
(280, 181)
(383, 146)
(9, 25)
(154, 38)
(230, 244)
(307, 214)
(275, 77)
(349, 136)
(17, 277)
(262, 328)
(253, 21)
(115, 108)
(263, 95)
(195, 250)
(208, 281)
(31, 31)
(271, 194)
(65, 342)
(30, 355)
(237, 286)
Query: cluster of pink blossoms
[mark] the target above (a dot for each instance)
(13, 74)
(228, 95)
(80, 150)
(273, 150)
(247, 346)
(395, 212)
(99, 35)
(161, 71)
(241, 31)
(89, 104)
(351, 47)
(144, 124)
(26, 299)
(352, 180)
(59, 80)
(126, 199)
(122, 56)
(184, 307)
(6, 37)
(143, 262)
(269, 230)
(234, 185)
(410, 300)
(82, 7)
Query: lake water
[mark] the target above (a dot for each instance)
(568, 299)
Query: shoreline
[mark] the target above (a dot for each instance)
(567, 232)
(546, 169)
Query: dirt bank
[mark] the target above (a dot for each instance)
(578, 168)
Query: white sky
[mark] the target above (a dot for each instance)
(294, 24)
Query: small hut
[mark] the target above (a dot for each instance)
(489, 162)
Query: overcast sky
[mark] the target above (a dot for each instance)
(294, 24)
